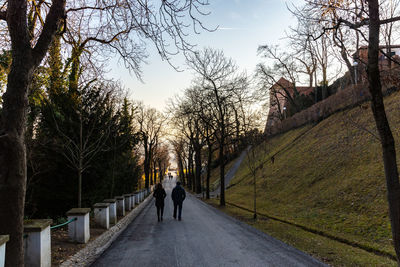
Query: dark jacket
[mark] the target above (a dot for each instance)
(159, 194)
(178, 194)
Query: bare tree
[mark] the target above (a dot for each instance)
(254, 160)
(81, 149)
(382, 124)
(150, 123)
(357, 15)
(188, 124)
(162, 24)
(26, 57)
(162, 159)
(178, 147)
(219, 79)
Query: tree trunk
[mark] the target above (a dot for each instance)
(222, 172)
(181, 173)
(192, 174)
(348, 64)
(237, 130)
(12, 132)
(80, 160)
(154, 180)
(324, 84)
(79, 189)
(316, 99)
(184, 174)
(75, 70)
(189, 170)
(310, 78)
(382, 124)
(146, 165)
(208, 170)
(113, 171)
(198, 170)
(255, 198)
(13, 157)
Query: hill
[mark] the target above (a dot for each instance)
(328, 177)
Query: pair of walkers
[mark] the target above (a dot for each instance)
(178, 196)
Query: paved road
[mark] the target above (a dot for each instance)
(231, 172)
(204, 237)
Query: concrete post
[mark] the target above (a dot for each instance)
(112, 209)
(102, 215)
(78, 230)
(120, 206)
(127, 202)
(133, 201)
(3, 240)
(37, 243)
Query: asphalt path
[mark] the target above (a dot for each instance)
(204, 237)
(232, 171)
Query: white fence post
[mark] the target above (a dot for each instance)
(37, 243)
(112, 209)
(3, 240)
(102, 214)
(127, 200)
(120, 206)
(79, 230)
(133, 202)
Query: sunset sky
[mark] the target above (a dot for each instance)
(243, 25)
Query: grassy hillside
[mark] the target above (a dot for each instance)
(328, 177)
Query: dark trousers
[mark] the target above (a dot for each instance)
(160, 211)
(179, 206)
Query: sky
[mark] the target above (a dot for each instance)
(243, 25)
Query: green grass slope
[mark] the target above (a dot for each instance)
(327, 176)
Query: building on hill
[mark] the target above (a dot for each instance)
(284, 102)
(285, 99)
(393, 51)
(387, 66)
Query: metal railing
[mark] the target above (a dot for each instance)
(57, 226)
(62, 224)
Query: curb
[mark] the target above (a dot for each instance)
(94, 249)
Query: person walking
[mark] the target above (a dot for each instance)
(178, 196)
(159, 194)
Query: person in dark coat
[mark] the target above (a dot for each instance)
(178, 196)
(159, 194)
